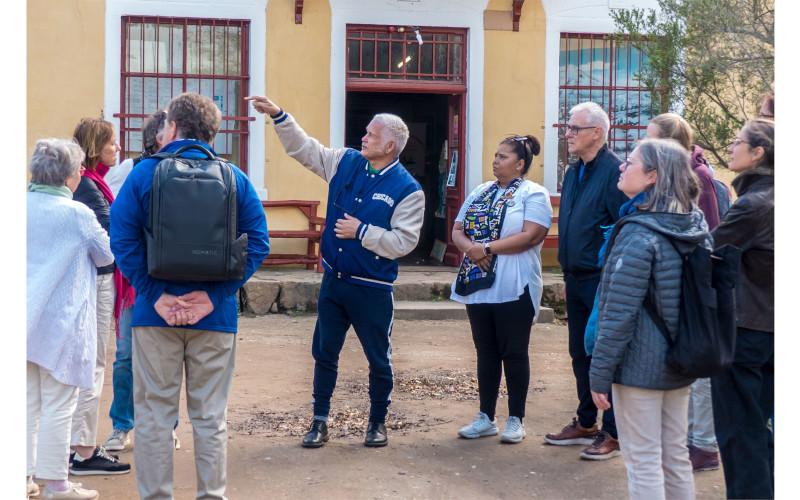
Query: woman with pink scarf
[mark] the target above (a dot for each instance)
(98, 141)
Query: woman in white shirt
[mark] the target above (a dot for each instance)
(65, 245)
(500, 229)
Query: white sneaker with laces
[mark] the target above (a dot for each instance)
(480, 427)
(514, 431)
(73, 492)
(117, 441)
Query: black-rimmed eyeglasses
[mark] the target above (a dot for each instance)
(575, 129)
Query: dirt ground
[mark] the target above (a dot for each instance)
(435, 393)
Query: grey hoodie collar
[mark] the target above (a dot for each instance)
(690, 229)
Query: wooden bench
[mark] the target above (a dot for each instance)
(311, 259)
(551, 240)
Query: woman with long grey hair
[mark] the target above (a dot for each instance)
(629, 359)
(66, 244)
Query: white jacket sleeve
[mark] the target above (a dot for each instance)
(97, 240)
(406, 224)
(321, 160)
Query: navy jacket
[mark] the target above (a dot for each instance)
(130, 214)
(371, 198)
(90, 195)
(586, 206)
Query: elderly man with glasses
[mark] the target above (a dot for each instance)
(589, 200)
(374, 216)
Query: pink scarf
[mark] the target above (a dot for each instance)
(98, 176)
(126, 295)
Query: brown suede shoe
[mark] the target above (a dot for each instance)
(703, 460)
(572, 434)
(603, 448)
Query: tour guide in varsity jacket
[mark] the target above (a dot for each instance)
(375, 212)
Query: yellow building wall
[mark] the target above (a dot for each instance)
(513, 91)
(297, 79)
(65, 65)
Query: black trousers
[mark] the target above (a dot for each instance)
(743, 401)
(580, 299)
(502, 333)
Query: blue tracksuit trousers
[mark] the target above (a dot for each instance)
(371, 313)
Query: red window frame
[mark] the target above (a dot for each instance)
(621, 98)
(402, 39)
(235, 123)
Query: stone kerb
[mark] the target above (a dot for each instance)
(297, 291)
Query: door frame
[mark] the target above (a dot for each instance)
(457, 106)
(444, 13)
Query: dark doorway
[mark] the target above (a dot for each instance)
(425, 156)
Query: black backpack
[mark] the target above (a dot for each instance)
(193, 225)
(723, 197)
(705, 340)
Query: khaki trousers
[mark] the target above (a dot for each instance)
(84, 421)
(652, 428)
(160, 356)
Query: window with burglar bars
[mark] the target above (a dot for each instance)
(378, 52)
(163, 57)
(595, 67)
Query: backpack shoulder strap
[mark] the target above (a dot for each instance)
(650, 307)
(196, 147)
(649, 301)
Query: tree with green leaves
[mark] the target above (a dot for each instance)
(710, 60)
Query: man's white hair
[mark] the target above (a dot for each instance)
(597, 116)
(394, 129)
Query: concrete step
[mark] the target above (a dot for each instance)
(297, 289)
(445, 310)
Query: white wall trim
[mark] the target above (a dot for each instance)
(254, 10)
(434, 13)
(578, 16)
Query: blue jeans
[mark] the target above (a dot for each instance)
(121, 412)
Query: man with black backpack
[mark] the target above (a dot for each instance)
(187, 230)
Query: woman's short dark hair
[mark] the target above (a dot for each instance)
(767, 106)
(525, 147)
(92, 135)
(761, 132)
(152, 125)
(196, 116)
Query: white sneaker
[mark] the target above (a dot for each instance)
(175, 440)
(74, 492)
(117, 441)
(514, 431)
(33, 488)
(480, 427)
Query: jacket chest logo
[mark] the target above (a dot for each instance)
(383, 197)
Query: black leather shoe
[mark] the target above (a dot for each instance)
(317, 435)
(376, 435)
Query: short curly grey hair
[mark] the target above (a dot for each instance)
(55, 160)
(597, 115)
(394, 129)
